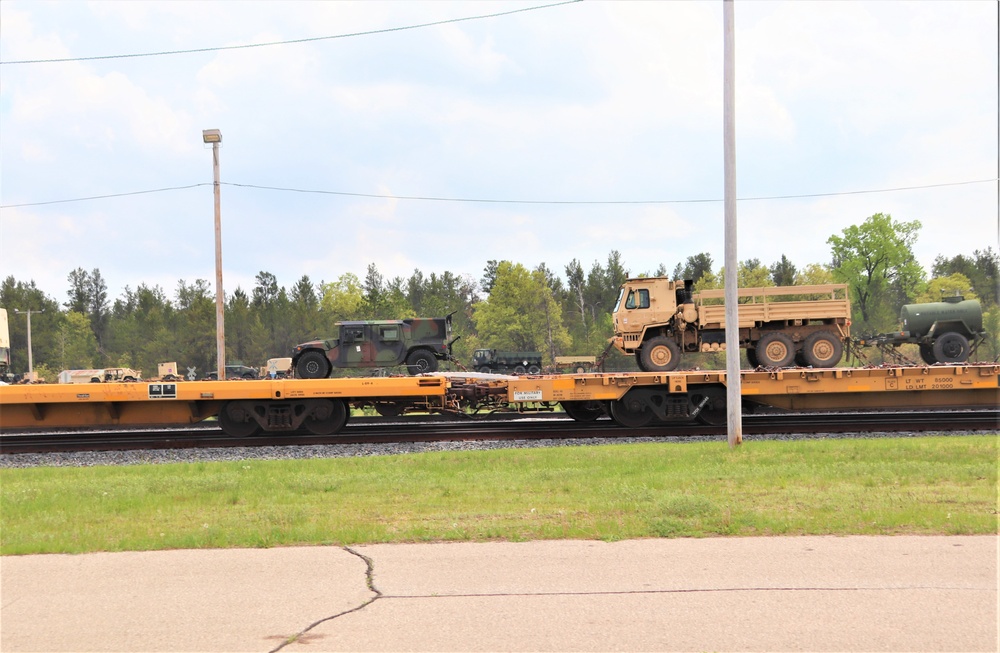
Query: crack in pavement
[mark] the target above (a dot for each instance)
(370, 582)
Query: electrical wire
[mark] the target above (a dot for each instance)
(290, 42)
(427, 198)
(602, 202)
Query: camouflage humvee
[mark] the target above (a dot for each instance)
(419, 342)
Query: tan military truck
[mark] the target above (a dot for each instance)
(657, 320)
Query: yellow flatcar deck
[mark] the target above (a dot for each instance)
(186, 402)
(792, 388)
(631, 399)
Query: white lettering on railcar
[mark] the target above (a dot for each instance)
(527, 395)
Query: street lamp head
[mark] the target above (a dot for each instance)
(211, 135)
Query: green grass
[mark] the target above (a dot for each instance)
(935, 485)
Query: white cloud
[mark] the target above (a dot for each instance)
(590, 101)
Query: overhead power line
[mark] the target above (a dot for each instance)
(290, 42)
(600, 202)
(430, 198)
(103, 197)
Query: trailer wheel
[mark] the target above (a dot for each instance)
(312, 365)
(775, 349)
(951, 348)
(421, 361)
(326, 416)
(927, 354)
(822, 349)
(659, 354)
(583, 411)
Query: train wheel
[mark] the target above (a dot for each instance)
(659, 354)
(312, 365)
(927, 354)
(822, 349)
(951, 348)
(326, 416)
(237, 420)
(713, 412)
(421, 361)
(583, 411)
(775, 349)
(630, 413)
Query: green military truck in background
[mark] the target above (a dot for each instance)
(418, 342)
(507, 362)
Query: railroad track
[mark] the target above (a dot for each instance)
(551, 426)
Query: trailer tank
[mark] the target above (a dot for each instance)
(952, 314)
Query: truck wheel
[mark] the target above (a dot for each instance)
(752, 358)
(485, 369)
(927, 354)
(421, 361)
(519, 370)
(534, 369)
(659, 354)
(822, 349)
(775, 349)
(312, 365)
(951, 348)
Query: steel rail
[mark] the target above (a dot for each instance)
(402, 430)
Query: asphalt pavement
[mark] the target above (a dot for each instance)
(858, 593)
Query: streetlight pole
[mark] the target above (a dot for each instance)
(214, 136)
(28, 312)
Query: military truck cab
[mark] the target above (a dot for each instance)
(418, 343)
(657, 320)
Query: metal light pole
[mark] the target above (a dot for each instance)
(214, 136)
(28, 312)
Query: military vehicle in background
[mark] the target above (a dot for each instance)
(281, 368)
(656, 319)
(948, 331)
(168, 372)
(234, 372)
(418, 342)
(105, 375)
(507, 362)
(5, 374)
(575, 364)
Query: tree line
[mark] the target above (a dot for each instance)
(511, 307)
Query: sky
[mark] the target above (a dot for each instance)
(433, 136)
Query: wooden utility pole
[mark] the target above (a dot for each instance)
(734, 400)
